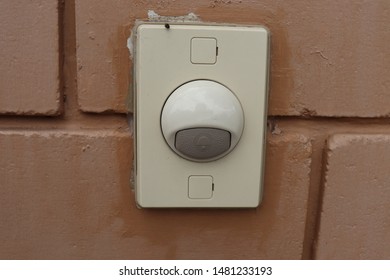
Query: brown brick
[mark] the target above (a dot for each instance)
(102, 55)
(355, 221)
(61, 192)
(327, 59)
(29, 67)
(67, 195)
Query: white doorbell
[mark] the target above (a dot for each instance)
(202, 120)
(200, 114)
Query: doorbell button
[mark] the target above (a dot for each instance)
(202, 143)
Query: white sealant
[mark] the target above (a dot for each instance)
(153, 16)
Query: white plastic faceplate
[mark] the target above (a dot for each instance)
(166, 58)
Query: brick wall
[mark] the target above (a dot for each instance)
(66, 149)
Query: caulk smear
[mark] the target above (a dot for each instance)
(153, 16)
(130, 44)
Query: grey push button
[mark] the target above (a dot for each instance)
(202, 143)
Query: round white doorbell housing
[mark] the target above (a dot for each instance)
(202, 120)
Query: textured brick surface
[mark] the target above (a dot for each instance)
(329, 58)
(355, 221)
(62, 192)
(67, 195)
(29, 58)
(102, 30)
